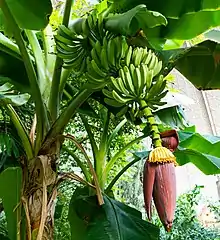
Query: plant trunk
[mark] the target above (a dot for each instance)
(41, 194)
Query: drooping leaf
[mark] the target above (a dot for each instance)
(201, 150)
(77, 222)
(118, 221)
(29, 14)
(113, 220)
(201, 65)
(7, 46)
(8, 96)
(171, 8)
(186, 19)
(138, 17)
(192, 24)
(10, 193)
(171, 118)
(12, 70)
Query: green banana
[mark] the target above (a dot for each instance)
(137, 77)
(105, 42)
(66, 47)
(152, 106)
(143, 72)
(157, 68)
(163, 86)
(71, 57)
(156, 103)
(98, 47)
(65, 32)
(100, 24)
(134, 80)
(97, 69)
(90, 21)
(128, 56)
(116, 85)
(94, 79)
(118, 52)
(107, 93)
(153, 62)
(94, 56)
(149, 79)
(161, 96)
(128, 80)
(157, 88)
(64, 40)
(123, 87)
(138, 53)
(111, 52)
(124, 47)
(104, 58)
(75, 63)
(79, 65)
(148, 57)
(85, 27)
(119, 98)
(112, 102)
(91, 71)
(82, 66)
(79, 54)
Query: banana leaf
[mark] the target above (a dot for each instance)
(186, 19)
(138, 17)
(10, 193)
(9, 96)
(28, 14)
(113, 220)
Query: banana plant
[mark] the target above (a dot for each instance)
(119, 70)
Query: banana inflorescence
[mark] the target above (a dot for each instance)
(130, 78)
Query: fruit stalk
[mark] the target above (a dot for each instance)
(156, 140)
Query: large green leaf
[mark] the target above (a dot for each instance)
(8, 96)
(10, 193)
(201, 65)
(170, 8)
(113, 220)
(171, 118)
(186, 19)
(29, 14)
(7, 46)
(201, 150)
(13, 70)
(75, 215)
(129, 22)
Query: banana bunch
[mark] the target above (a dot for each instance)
(156, 93)
(71, 48)
(137, 80)
(105, 61)
(75, 42)
(141, 55)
